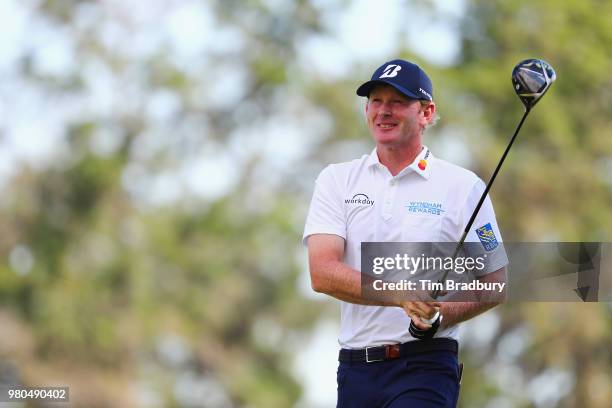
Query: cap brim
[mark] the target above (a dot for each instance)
(366, 88)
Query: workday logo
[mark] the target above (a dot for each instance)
(360, 199)
(391, 71)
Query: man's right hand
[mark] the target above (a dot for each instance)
(417, 310)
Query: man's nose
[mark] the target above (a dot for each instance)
(385, 109)
(384, 112)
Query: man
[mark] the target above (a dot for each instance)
(377, 199)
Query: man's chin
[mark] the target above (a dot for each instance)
(386, 140)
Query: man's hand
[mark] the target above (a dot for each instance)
(418, 310)
(425, 309)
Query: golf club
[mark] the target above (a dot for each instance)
(531, 78)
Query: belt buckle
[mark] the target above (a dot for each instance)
(368, 356)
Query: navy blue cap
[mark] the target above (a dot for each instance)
(406, 77)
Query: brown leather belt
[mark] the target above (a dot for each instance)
(393, 351)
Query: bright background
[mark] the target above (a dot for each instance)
(157, 160)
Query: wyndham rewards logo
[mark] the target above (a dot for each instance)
(487, 237)
(360, 199)
(424, 207)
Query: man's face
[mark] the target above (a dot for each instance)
(394, 119)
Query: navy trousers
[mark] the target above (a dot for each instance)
(424, 380)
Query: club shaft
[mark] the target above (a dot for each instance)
(436, 292)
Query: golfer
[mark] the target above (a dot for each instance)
(400, 192)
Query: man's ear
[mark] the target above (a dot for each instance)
(429, 111)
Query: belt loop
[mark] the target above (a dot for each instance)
(392, 351)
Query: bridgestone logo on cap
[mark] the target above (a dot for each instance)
(391, 71)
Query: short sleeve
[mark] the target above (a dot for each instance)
(326, 212)
(484, 230)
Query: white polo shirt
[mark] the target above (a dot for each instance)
(431, 200)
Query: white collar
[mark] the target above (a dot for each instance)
(421, 164)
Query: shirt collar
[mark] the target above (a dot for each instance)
(373, 159)
(421, 164)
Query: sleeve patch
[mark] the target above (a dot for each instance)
(487, 237)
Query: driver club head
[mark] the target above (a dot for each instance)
(531, 79)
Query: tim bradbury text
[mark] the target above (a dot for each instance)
(448, 285)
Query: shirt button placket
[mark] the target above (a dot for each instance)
(389, 196)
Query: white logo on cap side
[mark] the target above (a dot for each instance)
(391, 71)
(425, 93)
